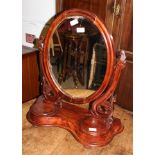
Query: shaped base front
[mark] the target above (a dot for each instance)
(86, 129)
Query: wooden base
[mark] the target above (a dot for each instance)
(87, 129)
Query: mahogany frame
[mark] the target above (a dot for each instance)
(94, 127)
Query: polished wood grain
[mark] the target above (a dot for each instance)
(92, 127)
(126, 41)
(88, 5)
(76, 120)
(30, 74)
(58, 141)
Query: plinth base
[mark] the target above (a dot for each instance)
(86, 129)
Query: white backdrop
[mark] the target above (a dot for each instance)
(35, 13)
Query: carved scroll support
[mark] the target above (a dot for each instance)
(48, 92)
(102, 101)
(102, 119)
(48, 103)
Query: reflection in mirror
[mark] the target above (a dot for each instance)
(77, 56)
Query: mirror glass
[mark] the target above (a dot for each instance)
(77, 56)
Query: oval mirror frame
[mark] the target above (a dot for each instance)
(93, 126)
(110, 55)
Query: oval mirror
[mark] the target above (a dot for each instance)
(79, 56)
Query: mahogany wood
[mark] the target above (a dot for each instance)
(96, 6)
(91, 127)
(30, 74)
(88, 130)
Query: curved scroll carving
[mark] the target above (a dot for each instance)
(102, 101)
(46, 89)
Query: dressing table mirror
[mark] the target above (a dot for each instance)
(79, 75)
